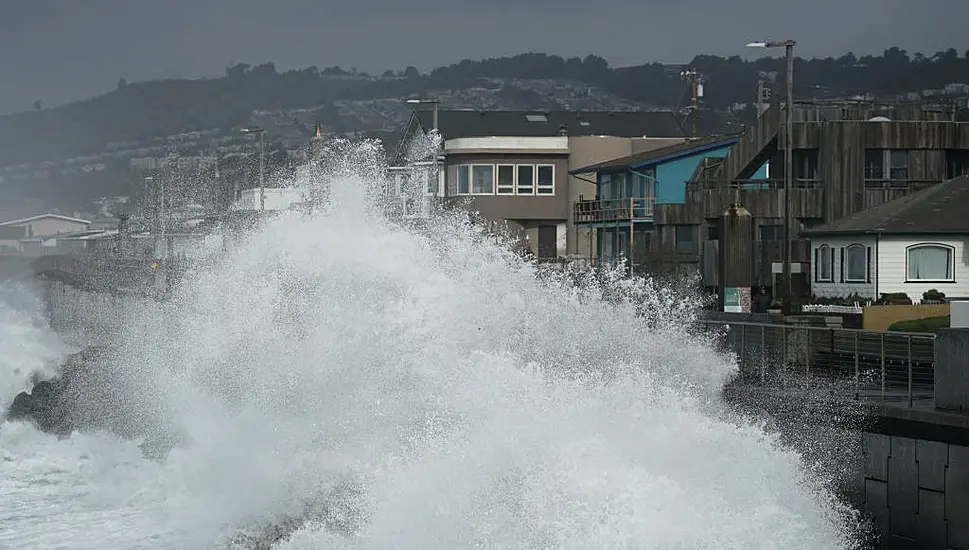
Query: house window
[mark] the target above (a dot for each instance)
(459, 179)
(685, 239)
(929, 262)
(856, 264)
(483, 179)
(546, 179)
(874, 164)
(886, 164)
(898, 165)
(526, 179)
(506, 179)
(823, 261)
(772, 232)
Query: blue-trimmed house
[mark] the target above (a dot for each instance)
(629, 189)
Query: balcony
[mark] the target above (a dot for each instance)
(762, 197)
(591, 212)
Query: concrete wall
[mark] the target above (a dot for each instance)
(952, 370)
(960, 314)
(882, 317)
(918, 491)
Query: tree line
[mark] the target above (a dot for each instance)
(135, 111)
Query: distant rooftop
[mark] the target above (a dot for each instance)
(940, 209)
(42, 216)
(472, 123)
(656, 156)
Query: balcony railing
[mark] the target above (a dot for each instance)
(761, 183)
(614, 210)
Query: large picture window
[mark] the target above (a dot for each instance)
(856, 264)
(930, 262)
(501, 179)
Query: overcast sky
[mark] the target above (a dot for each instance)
(60, 50)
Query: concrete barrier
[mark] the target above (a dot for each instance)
(952, 369)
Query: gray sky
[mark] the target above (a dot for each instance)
(59, 50)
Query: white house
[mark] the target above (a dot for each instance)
(912, 244)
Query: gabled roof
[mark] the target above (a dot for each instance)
(42, 216)
(941, 209)
(471, 123)
(657, 156)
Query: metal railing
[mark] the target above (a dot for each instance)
(613, 210)
(875, 365)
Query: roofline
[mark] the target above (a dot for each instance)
(607, 168)
(889, 232)
(41, 216)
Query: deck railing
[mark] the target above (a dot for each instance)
(882, 366)
(613, 210)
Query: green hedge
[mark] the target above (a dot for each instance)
(928, 324)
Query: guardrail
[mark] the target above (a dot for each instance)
(613, 210)
(884, 366)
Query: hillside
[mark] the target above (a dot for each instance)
(84, 150)
(142, 110)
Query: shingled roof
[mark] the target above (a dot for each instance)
(656, 156)
(471, 123)
(941, 209)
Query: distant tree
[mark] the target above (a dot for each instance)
(236, 71)
(411, 72)
(122, 83)
(389, 73)
(38, 105)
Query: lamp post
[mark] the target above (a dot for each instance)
(788, 46)
(262, 162)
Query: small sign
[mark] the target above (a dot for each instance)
(736, 300)
(154, 265)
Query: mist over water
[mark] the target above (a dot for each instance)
(354, 384)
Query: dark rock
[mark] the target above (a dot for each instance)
(70, 403)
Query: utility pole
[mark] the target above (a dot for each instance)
(696, 92)
(262, 162)
(788, 46)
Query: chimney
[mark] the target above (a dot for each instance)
(563, 131)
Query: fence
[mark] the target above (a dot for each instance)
(884, 366)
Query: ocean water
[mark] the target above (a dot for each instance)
(336, 381)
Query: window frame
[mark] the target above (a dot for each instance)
(494, 172)
(950, 267)
(544, 190)
(518, 168)
(676, 241)
(847, 263)
(821, 253)
(514, 180)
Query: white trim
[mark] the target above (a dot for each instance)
(514, 179)
(952, 257)
(821, 252)
(553, 144)
(518, 189)
(538, 187)
(43, 216)
(494, 172)
(864, 251)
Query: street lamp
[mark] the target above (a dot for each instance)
(788, 46)
(262, 162)
(434, 102)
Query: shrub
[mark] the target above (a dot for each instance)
(928, 324)
(894, 299)
(933, 295)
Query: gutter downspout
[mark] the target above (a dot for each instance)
(877, 255)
